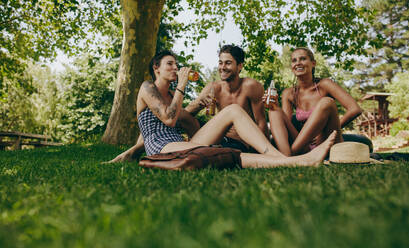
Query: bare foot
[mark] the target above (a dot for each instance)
(126, 156)
(317, 155)
(313, 158)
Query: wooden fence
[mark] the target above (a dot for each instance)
(16, 140)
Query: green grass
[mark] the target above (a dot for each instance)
(64, 197)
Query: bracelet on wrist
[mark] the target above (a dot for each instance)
(181, 91)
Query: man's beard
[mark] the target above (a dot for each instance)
(230, 77)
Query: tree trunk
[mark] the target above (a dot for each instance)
(140, 20)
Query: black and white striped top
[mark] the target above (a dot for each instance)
(155, 133)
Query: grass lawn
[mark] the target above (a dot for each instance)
(64, 197)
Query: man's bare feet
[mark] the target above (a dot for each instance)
(313, 158)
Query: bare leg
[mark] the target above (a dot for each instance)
(312, 158)
(215, 129)
(282, 130)
(131, 154)
(189, 123)
(324, 117)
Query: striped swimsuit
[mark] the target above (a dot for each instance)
(155, 134)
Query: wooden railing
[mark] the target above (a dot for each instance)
(373, 125)
(16, 140)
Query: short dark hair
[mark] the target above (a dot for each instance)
(155, 61)
(235, 51)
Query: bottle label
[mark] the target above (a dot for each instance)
(272, 98)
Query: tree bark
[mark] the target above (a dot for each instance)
(140, 20)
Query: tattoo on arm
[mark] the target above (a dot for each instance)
(172, 111)
(153, 91)
(156, 111)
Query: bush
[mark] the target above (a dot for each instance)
(400, 125)
(399, 101)
(88, 97)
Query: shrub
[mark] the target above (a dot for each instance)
(399, 101)
(400, 125)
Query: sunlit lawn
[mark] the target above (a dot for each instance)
(64, 197)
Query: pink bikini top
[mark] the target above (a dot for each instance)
(303, 115)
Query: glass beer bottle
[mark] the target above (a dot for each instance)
(193, 76)
(272, 97)
(211, 108)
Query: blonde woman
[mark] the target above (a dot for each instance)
(313, 101)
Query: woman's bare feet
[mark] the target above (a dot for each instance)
(127, 156)
(317, 155)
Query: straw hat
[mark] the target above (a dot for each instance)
(350, 153)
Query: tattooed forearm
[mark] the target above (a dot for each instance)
(161, 109)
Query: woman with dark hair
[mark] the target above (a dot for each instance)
(158, 110)
(316, 114)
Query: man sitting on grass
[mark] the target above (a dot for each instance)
(231, 89)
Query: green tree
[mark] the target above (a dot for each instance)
(16, 109)
(88, 93)
(391, 56)
(399, 86)
(32, 109)
(336, 27)
(35, 29)
(45, 101)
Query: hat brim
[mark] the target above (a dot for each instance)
(371, 161)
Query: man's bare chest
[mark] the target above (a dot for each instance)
(225, 100)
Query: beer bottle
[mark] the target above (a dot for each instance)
(272, 97)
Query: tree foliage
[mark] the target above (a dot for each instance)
(399, 86)
(32, 109)
(335, 28)
(35, 29)
(391, 56)
(88, 93)
(71, 106)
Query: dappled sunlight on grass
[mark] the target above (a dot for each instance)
(64, 196)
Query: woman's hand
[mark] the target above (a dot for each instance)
(183, 75)
(270, 102)
(264, 98)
